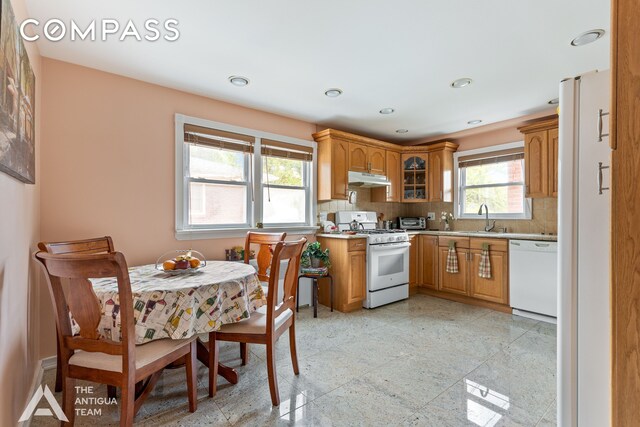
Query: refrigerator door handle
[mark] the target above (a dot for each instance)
(600, 134)
(600, 168)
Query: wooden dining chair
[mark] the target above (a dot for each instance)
(88, 356)
(266, 242)
(87, 246)
(266, 325)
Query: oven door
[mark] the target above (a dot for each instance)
(388, 265)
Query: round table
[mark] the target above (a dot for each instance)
(181, 305)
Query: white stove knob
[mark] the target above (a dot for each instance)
(377, 240)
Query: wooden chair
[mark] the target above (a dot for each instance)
(266, 326)
(89, 357)
(263, 258)
(87, 246)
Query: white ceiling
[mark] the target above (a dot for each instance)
(401, 54)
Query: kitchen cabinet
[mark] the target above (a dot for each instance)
(495, 288)
(394, 175)
(466, 284)
(441, 174)
(454, 282)
(364, 158)
(428, 261)
(417, 173)
(415, 180)
(541, 158)
(349, 271)
(414, 263)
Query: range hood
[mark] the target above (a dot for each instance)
(367, 180)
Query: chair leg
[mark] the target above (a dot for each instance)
(315, 297)
(111, 391)
(271, 371)
(128, 404)
(292, 348)
(244, 353)
(213, 364)
(58, 386)
(68, 400)
(192, 386)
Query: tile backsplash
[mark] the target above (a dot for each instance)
(544, 215)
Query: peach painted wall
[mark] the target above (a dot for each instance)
(108, 165)
(488, 135)
(20, 292)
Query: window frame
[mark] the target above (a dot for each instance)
(457, 177)
(186, 231)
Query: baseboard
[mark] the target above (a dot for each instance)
(50, 362)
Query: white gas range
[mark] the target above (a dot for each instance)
(387, 257)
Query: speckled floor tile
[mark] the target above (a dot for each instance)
(422, 361)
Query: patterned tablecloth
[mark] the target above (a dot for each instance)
(181, 305)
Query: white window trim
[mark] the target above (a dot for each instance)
(456, 184)
(186, 232)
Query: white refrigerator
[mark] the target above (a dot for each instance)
(584, 216)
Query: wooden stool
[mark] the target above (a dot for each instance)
(314, 283)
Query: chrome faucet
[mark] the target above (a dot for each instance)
(487, 227)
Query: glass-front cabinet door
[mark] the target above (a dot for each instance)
(414, 177)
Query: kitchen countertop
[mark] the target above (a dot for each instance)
(342, 236)
(510, 236)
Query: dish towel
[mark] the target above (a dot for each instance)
(452, 258)
(485, 265)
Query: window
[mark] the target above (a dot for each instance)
(494, 177)
(230, 179)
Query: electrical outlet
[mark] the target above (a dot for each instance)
(431, 216)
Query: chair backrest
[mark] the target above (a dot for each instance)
(83, 303)
(284, 251)
(264, 255)
(87, 246)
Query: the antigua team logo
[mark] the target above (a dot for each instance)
(55, 407)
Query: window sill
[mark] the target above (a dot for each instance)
(491, 218)
(199, 234)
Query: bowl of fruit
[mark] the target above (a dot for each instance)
(181, 261)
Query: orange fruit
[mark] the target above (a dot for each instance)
(169, 265)
(194, 262)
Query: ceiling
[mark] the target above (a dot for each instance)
(401, 54)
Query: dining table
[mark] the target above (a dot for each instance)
(181, 304)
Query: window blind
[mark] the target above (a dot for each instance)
(491, 157)
(284, 150)
(199, 135)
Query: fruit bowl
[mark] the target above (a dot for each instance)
(181, 261)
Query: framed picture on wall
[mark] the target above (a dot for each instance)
(17, 101)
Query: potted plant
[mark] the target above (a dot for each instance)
(447, 218)
(313, 256)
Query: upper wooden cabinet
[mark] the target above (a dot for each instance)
(340, 152)
(441, 172)
(415, 181)
(393, 192)
(541, 158)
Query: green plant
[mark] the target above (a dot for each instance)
(314, 250)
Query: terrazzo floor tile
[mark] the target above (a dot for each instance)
(422, 361)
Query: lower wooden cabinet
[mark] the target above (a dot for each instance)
(495, 288)
(349, 271)
(414, 249)
(465, 285)
(428, 265)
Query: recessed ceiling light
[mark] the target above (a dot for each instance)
(554, 101)
(387, 110)
(465, 81)
(587, 37)
(474, 122)
(239, 80)
(332, 93)
(402, 130)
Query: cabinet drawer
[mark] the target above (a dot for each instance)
(461, 242)
(499, 245)
(357, 245)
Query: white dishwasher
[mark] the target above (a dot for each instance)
(533, 279)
